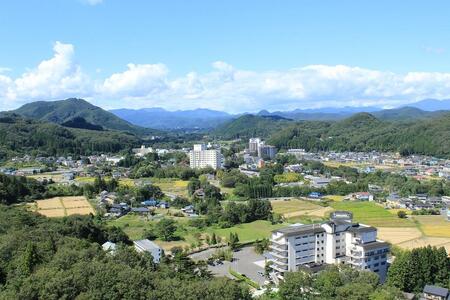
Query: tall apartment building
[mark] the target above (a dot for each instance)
(338, 241)
(201, 157)
(253, 144)
(266, 151)
(258, 147)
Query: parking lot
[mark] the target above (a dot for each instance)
(245, 261)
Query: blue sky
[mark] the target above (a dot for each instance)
(230, 55)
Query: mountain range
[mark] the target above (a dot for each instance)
(77, 127)
(205, 119)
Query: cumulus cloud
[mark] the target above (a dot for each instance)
(224, 87)
(56, 77)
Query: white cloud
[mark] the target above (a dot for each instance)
(137, 81)
(225, 87)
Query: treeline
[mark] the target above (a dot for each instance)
(412, 270)
(19, 135)
(44, 258)
(364, 132)
(206, 199)
(335, 282)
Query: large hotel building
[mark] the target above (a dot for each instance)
(338, 241)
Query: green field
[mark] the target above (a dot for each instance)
(293, 205)
(372, 214)
(249, 231)
(134, 226)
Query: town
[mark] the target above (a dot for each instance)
(315, 209)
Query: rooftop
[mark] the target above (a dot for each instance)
(146, 245)
(435, 290)
(300, 229)
(374, 245)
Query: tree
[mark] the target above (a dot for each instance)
(165, 229)
(213, 239)
(401, 214)
(296, 286)
(233, 241)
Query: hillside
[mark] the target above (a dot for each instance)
(406, 113)
(248, 126)
(181, 119)
(21, 135)
(364, 132)
(63, 111)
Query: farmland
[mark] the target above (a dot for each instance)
(135, 226)
(372, 214)
(171, 186)
(63, 206)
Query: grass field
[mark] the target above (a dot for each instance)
(134, 226)
(372, 214)
(435, 226)
(171, 186)
(334, 197)
(248, 232)
(293, 205)
(63, 206)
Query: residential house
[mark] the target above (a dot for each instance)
(150, 247)
(432, 292)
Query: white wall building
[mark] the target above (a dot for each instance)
(253, 144)
(201, 157)
(150, 247)
(334, 242)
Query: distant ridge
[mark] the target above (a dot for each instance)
(181, 119)
(63, 111)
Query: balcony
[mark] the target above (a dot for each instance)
(356, 262)
(277, 247)
(279, 244)
(279, 254)
(356, 254)
(279, 268)
(282, 262)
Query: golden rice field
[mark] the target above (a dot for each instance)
(172, 186)
(293, 206)
(63, 206)
(436, 226)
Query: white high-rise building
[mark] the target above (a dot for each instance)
(201, 157)
(253, 145)
(338, 241)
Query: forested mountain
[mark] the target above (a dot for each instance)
(248, 126)
(406, 113)
(44, 258)
(66, 110)
(181, 119)
(364, 132)
(22, 135)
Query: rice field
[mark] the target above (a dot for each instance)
(372, 214)
(435, 226)
(172, 186)
(293, 206)
(64, 206)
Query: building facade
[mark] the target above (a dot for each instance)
(338, 241)
(201, 157)
(266, 151)
(253, 144)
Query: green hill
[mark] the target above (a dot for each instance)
(364, 132)
(22, 135)
(247, 126)
(66, 110)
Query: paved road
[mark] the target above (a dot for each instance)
(245, 261)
